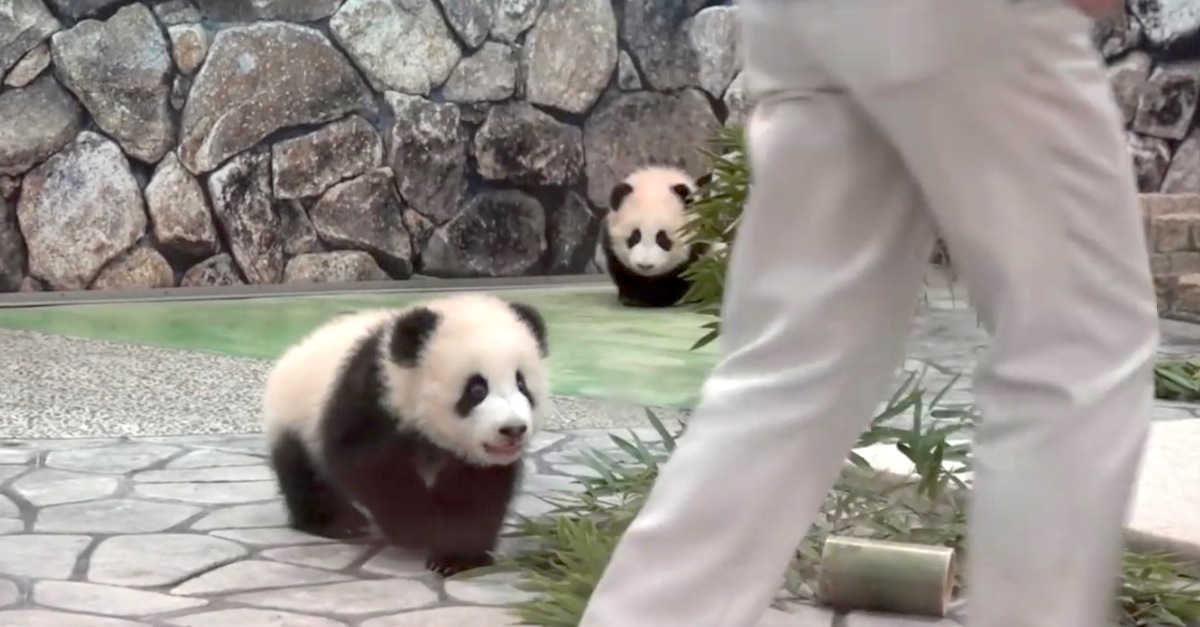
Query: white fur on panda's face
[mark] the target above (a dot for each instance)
(645, 229)
(480, 388)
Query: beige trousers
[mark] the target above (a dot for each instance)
(878, 120)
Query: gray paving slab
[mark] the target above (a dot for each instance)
(121, 557)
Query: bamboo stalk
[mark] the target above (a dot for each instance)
(877, 575)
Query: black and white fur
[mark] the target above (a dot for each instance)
(415, 420)
(644, 250)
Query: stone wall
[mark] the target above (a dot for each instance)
(1154, 65)
(166, 143)
(216, 142)
(1172, 224)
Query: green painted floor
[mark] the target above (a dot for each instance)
(599, 349)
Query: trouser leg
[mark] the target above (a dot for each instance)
(1014, 138)
(823, 280)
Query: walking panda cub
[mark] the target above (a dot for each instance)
(415, 420)
(642, 243)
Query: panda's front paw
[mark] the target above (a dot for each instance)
(448, 565)
(344, 530)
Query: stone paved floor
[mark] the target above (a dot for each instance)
(188, 532)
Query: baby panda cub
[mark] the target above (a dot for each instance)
(416, 420)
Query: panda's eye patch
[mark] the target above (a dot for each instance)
(663, 241)
(634, 238)
(477, 390)
(521, 383)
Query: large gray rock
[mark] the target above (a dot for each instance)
(214, 271)
(189, 46)
(140, 267)
(627, 131)
(514, 17)
(714, 37)
(1151, 156)
(78, 211)
(35, 122)
(1128, 76)
(1183, 177)
(23, 25)
(176, 12)
(366, 214)
(341, 266)
(489, 74)
(1167, 21)
(241, 197)
(658, 39)
(12, 249)
(427, 151)
(471, 19)
(1168, 101)
(127, 89)
(29, 67)
(527, 147)
(571, 229)
(258, 79)
(373, 31)
(306, 166)
(498, 233)
(76, 9)
(179, 212)
(281, 10)
(570, 54)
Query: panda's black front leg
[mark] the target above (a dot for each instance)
(471, 503)
(314, 506)
(394, 494)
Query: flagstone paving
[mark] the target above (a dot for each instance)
(188, 532)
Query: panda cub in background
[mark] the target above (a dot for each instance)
(644, 249)
(413, 419)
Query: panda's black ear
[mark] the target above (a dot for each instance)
(536, 323)
(410, 333)
(618, 194)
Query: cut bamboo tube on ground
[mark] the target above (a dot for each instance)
(877, 575)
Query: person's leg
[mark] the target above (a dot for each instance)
(823, 282)
(1019, 150)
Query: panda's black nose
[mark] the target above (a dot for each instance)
(513, 431)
